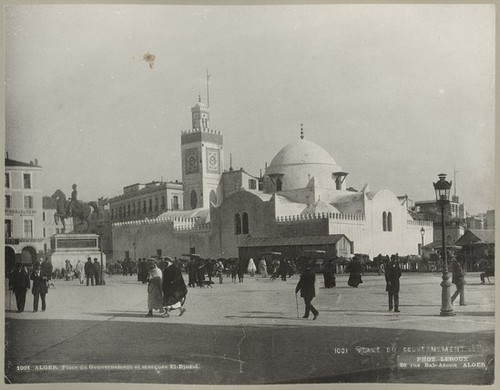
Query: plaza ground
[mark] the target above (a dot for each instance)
(252, 333)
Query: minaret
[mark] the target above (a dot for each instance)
(202, 160)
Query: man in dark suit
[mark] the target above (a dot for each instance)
(19, 282)
(458, 280)
(97, 272)
(40, 288)
(89, 271)
(307, 290)
(392, 275)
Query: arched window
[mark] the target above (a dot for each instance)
(245, 223)
(389, 221)
(193, 199)
(237, 224)
(279, 184)
(384, 221)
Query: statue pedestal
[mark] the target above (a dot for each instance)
(74, 247)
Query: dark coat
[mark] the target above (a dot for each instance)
(173, 286)
(47, 268)
(306, 284)
(458, 273)
(89, 269)
(392, 275)
(39, 283)
(19, 281)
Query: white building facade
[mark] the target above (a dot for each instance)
(301, 194)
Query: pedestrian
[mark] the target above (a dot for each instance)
(155, 295)
(459, 281)
(392, 275)
(39, 288)
(263, 267)
(68, 268)
(174, 289)
(79, 273)
(307, 289)
(329, 273)
(251, 267)
(19, 282)
(283, 269)
(200, 272)
(89, 271)
(46, 268)
(191, 270)
(97, 272)
(355, 269)
(241, 270)
(219, 267)
(234, 270)
(209, 268)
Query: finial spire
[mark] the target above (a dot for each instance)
(199, 98)
(301, 131)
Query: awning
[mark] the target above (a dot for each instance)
(439, 245)
(291, 241)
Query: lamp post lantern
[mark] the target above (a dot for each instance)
(442, 188)
(422, 233)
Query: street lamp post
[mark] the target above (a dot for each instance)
(442, 188)
(102, 282)
(422, 233)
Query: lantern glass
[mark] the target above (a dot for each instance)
(442, 188)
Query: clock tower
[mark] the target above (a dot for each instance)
(202, 160)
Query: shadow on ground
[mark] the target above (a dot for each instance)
(230, 355)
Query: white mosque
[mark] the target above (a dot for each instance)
(301, 203)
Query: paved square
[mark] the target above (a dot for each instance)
(251, 333)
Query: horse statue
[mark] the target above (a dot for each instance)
(80, 212)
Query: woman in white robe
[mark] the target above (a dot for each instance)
(155, 294)
(251, 267)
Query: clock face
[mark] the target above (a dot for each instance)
(213, 160)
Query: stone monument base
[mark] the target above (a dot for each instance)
(74, 247)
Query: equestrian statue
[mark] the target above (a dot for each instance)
(73, 208)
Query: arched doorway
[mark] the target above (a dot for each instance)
(28, 255)
(10, 259)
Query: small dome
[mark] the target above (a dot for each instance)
(320, 207)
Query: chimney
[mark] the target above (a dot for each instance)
(36, 161)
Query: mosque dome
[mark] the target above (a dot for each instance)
(297, 163)
(302, 152)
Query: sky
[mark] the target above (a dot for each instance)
(395, 93)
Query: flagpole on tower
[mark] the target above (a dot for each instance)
(208, 90)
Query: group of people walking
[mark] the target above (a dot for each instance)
(392, 272)
(166, 290)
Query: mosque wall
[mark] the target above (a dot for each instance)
(151, 237)
(223, 219)
(398, 235)
(301, 228)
